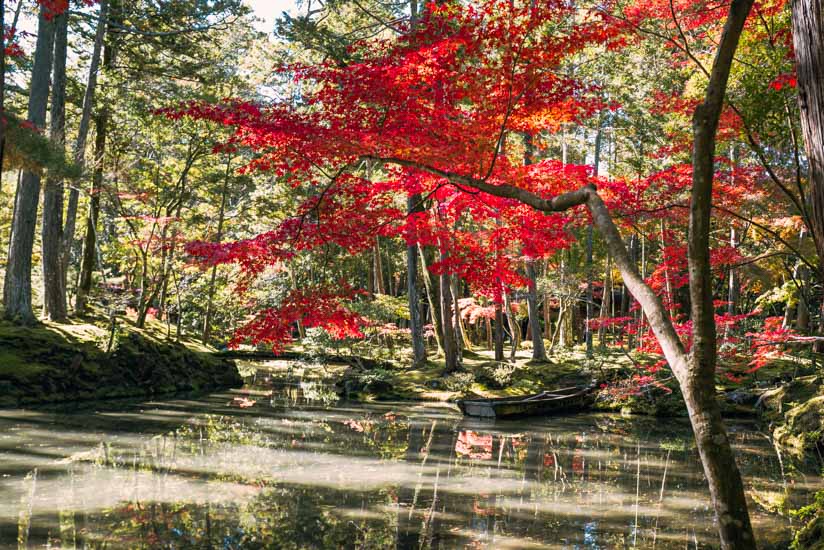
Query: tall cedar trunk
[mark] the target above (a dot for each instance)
(720, 469)
(17, 284)
(210, 293)
(54, 290)
(80, 142)
(415, 324)
(808, 40)
(87, 262)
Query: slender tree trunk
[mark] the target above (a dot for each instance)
(379, 286)
(54, 290)
(207, 318)
(460, 329)
(538, 349)
(720, 469)
(87, 264)
(606, 303)
(3, 83)
(101, 122)
(499, 332)
(414, 206)
(450, 344)
(514, 329)
(587, 328)
(734, 283)
(695, 372)
(82, 138)
(802, 315)
(432, 299)
(17, 284)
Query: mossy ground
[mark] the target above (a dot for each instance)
(53, 362)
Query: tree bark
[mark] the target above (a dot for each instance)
(87, 262)
(379, 286)
(808, 40)
(54, 289)
(538, 348)
(720, 469)
(514, 329)
(450, 344)
(206, 334)
(499, 332)
(101, 122)
(695, 372)
(17, 284)
(80, 143)
(414, 206)
(432, 299)
(606, 303)
(3, 82)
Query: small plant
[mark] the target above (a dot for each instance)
(497, 375)
(459, 382)
(318, 345)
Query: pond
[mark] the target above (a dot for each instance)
(295, 468)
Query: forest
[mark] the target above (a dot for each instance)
(264, 262)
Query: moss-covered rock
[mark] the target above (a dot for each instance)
(811, 535)
(803, 427)
(44, 364)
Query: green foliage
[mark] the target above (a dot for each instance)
(460, 382)
(383, 308)
(30, 149)
(319, 344)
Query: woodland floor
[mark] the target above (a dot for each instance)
(52, 362)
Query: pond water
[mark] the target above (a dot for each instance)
(297, 469)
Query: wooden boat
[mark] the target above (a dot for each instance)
(544, 403)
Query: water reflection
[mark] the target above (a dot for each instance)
(291, 468)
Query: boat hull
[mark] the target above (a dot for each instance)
(527, 406)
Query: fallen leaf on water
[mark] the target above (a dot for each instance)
(241, 402)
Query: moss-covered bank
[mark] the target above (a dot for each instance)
(56, 363)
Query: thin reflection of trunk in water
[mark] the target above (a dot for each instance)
(298, 468)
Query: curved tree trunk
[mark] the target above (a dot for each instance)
(722, 473)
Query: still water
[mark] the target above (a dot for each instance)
(298, 469)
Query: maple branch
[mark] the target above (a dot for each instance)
(657, 315)
(559, 203)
